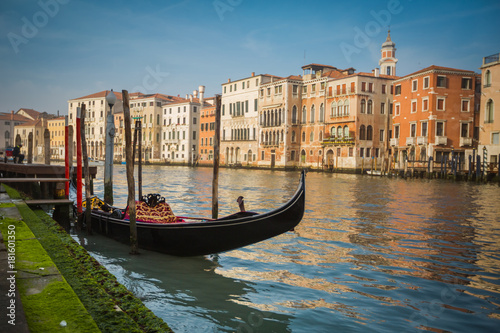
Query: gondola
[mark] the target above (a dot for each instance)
(200, 237)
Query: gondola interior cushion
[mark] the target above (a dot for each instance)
(161, 213)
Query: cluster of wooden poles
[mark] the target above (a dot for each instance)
(130, 148)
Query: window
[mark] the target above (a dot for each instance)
(423, 129)
(363, 106)
(465, 105)
(361, 152)
(397, 90)
(313, 88)
(382, 108)
(487, 79)
(294, 114)
(464, 130)
(346, 131)
(303, 136)
(414, 106)
(426, 82)
(414, 85)
(304, 114)
(381, 137)
(396, 131)
(425, 104)
(293, 136)
(334, 110)
(321, 113)
(413, 130)
(362, 132)
(295, 89)
(369, 132)
(466, 83)
(370, 87)
(384, 87)
(441, 81)
(369, 109)
(397, 109)
(495, 138)
(439, 128)
(313, 113)
(311, 137)
(489, 111)
(339, 132)
(363, 86)
(440, 105)
(346, 107)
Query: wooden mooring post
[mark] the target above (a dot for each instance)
(134, 242)
(215, 182)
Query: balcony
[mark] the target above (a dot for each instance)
(422, 140)
(465, 142)
(338, 141)
(394, 142)
(441, 140)
(411, 141)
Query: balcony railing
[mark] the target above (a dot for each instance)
(394, 142)
(411, 140)
(465, 142)
(491, 58)
(338, 141)
(422, 140)
(441, 140)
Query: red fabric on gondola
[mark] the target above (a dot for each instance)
(161, 213)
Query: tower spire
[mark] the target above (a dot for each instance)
(388, 59)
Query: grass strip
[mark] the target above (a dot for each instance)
(113, 307)
(48, 300)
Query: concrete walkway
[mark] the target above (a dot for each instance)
(12, 319)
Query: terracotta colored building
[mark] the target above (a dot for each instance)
(207, 136)
(434, 115)
(56, 128)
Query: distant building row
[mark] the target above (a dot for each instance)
(325, 118)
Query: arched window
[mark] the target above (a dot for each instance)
(346, 107)
(369, 132)
(304, 115)
(363, 106)
(369, 110)
(333, 132)
(362, 132)
(311, 136)
(339, 132)
(346, 131)
(303, 136)
(313, 113)
(293, 136)
(488, 118)
(321, 113)
(340, 108)
(487, 78)
(294, 114)
(334, 110)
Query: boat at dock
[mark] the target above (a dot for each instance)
(186, 236)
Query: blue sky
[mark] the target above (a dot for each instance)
(55, 50)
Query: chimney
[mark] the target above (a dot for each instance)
(195, 93)
(202, 94)
(187, 96)
(12, 115)
(191, 98)
(253, 74)
(228, 80)
(376, 71)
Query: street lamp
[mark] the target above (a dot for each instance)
(108, 164)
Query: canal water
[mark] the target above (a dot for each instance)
(371, 255)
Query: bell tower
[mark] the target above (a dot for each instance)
(388, 60)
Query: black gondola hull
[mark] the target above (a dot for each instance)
(207, 237)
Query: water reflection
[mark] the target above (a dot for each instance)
(387, 254)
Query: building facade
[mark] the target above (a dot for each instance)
(207, 136)
(434, 115)
(8, 121)
(489, 115)
(57, 130)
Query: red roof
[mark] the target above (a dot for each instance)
(32, 113)
(439, 68)
(102, 94)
